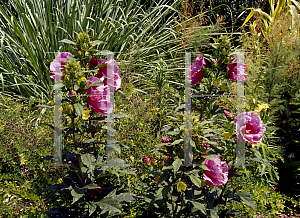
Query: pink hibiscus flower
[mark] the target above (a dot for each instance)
(197, 75)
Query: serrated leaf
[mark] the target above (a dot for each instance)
(109, 204)
(177, 164)
(199, 206)
(247, 198)
(128, 197)
(76, 193)
(214, 212)
(89, 160)
(92, 207)
(195, 180)
(78, 109)
(90, 186)
(67, 41)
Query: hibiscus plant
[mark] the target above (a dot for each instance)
(91, 177)
(201, 189)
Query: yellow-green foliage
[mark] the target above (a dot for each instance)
(267, 201)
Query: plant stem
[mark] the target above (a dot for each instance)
(210, 90)
(223, 190)
(179, 197)
(75, 145)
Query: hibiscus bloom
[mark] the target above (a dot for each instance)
(237, 70)
(56, 64)
(98, 103)
(218, 174)
(197, 75)
(249, 127)
(102, 73)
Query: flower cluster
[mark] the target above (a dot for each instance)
(98, 101)
(236, 70)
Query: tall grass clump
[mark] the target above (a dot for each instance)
(275, 77)
(31, 31)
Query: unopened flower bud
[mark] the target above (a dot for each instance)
(165, 140)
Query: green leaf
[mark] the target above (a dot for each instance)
(179, 107)
(90, 140)
(177, 141)
(166, 128)
(214, 212)
(209, 157)
(77, 193)
(247, 198)
(67, 41)
(109, 204)
(195, 180)
(79, 109)
(90, 186)
(99, 160)
(127, 172)
(162, 144)
(76, 87)
(176, 165)
(92, 207)
(159, 193)
(94, 84)
(89, 160)
(204, 167)
(97, 42)
(199, 206)
(163, 177)
(128, 197)
(165, 191)
(175, 132)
